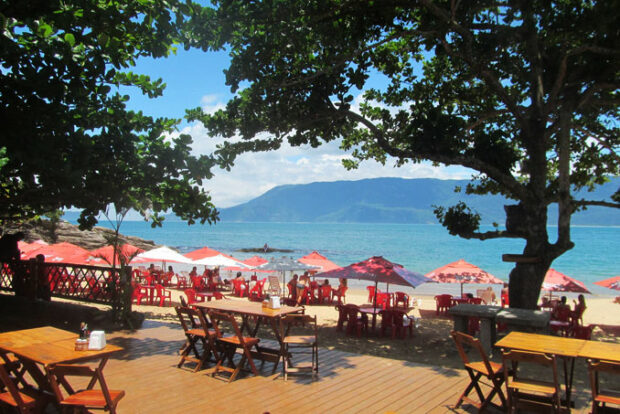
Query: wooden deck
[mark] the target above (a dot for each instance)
(347, 383)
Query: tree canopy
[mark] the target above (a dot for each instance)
(523, 92)
(68, 139)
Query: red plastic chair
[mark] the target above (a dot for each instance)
(342, 316)
(560, 320)
(325, 294)
(582, 332)
(138, 293)
(401, 297)
(356, 324)
(340, 293)
(181, 282)
(292, 291)
(398, 322)
(383, 300)
(256, 293)
(475, 301)
(505, 300)
(163, 295)
(192, 298)
(371, 293)
(443, 303)
(240, 288)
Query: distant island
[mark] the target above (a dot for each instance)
(394, 200)
(263, 250)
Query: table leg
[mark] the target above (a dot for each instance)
(460, 323)
(487, 334)
(568, 380)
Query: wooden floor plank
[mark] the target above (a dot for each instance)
(347, 382)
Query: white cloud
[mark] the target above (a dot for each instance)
(255, 173)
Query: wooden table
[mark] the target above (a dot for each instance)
(566, 348)
(39, 348)
(255, 309)
(597, 350)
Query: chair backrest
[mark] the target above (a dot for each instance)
(461, 339)
(191, 295)
(183, 301)
(402, 297)
(218, 318)
(561, 313)
(443, 300)
(517, 358)
(326, 291)
(475, 301)
(188, 317)
(341, 290)
(382, 300)
(274, 285)
(58, 373)
(298, 323)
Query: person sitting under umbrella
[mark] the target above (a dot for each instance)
(302, 284)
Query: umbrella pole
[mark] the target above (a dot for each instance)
(374, 302)
(462, 289)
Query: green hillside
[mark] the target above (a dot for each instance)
(390, 200)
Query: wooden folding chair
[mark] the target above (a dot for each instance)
(195, 332)
(482, 367)
(300, 334)
(230, 344)
(602, 397)
(534, 388)
(25, 400)
(103, 398)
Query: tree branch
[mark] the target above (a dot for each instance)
(508, 181)
(601, 203)
(480, 68)
(490, 235)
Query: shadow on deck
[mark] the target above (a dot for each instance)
(347, 382)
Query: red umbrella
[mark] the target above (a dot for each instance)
(61, 252)
(377, 269)
(462, 272)
(559, 282)
(206, 252)
(104, 254)
(611, 283)
(320, 261)
(26, 248)
(255, 261)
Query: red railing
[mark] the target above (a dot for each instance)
(78, 282)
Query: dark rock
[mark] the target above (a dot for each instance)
(67, 232)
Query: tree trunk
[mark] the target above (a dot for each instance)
(525, 282)
(526, 279)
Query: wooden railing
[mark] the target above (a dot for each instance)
(78, 282)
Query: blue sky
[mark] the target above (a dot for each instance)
(196, 79)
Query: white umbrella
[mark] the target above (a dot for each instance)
(219, 260)
(163, 254)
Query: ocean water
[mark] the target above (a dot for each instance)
(418, 247)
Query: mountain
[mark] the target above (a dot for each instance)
(392, 200)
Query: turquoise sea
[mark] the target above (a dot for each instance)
(418, 247)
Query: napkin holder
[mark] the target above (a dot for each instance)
(274, 302)
(97, 340)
